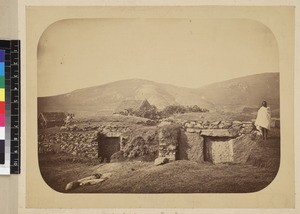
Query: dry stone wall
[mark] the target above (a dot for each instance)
(215, 141)
(218, 128)
(76, 140)
(80, 144)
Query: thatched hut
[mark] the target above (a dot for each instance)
(51, 119)
(128, 106)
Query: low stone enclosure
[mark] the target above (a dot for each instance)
(216, 142)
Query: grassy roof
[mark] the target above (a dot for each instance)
(53, 116)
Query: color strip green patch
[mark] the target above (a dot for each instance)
(2, 82)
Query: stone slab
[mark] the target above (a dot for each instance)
(219, 151)
(160, 161)
(218, 133)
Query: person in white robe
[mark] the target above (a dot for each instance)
(263, 120)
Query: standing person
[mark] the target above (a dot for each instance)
(263, 120)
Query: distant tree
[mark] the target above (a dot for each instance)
(173, 109)
(153, 113)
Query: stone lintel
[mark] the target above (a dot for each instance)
(218, 133)
(112, 134)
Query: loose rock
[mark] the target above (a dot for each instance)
(161, 161)
(72, 185)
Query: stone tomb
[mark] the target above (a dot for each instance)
(221, 146)
(108, 144)
(216, 142)
(218, 150)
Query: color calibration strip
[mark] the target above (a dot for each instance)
(2, 106)
(10, 96)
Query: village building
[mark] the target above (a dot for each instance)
(51, 119)
(128, 106)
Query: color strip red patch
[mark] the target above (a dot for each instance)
(2, 107)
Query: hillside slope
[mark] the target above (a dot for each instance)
(241, 92)
(107, 97)
(244, 91)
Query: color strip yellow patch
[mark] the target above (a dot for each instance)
(2, 94)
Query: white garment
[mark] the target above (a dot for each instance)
(263, 117)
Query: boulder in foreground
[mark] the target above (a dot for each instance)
(161, 161)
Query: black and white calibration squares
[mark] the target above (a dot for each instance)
(10, 107)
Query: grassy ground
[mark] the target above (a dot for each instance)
(177, 177)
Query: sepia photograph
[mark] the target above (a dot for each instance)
(158, 105)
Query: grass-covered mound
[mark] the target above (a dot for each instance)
(143, 143)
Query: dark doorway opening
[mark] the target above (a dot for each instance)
(107, 146)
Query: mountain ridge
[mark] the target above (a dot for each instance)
(238, 91)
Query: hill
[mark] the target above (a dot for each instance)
(240, 92)
(247, 91)
(107, 97)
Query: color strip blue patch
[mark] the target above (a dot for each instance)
(2, 68)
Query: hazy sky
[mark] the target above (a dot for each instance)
(79, 53)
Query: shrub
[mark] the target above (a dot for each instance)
(172, 109)
(154, 114)
(150, 113)
(179, 109)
